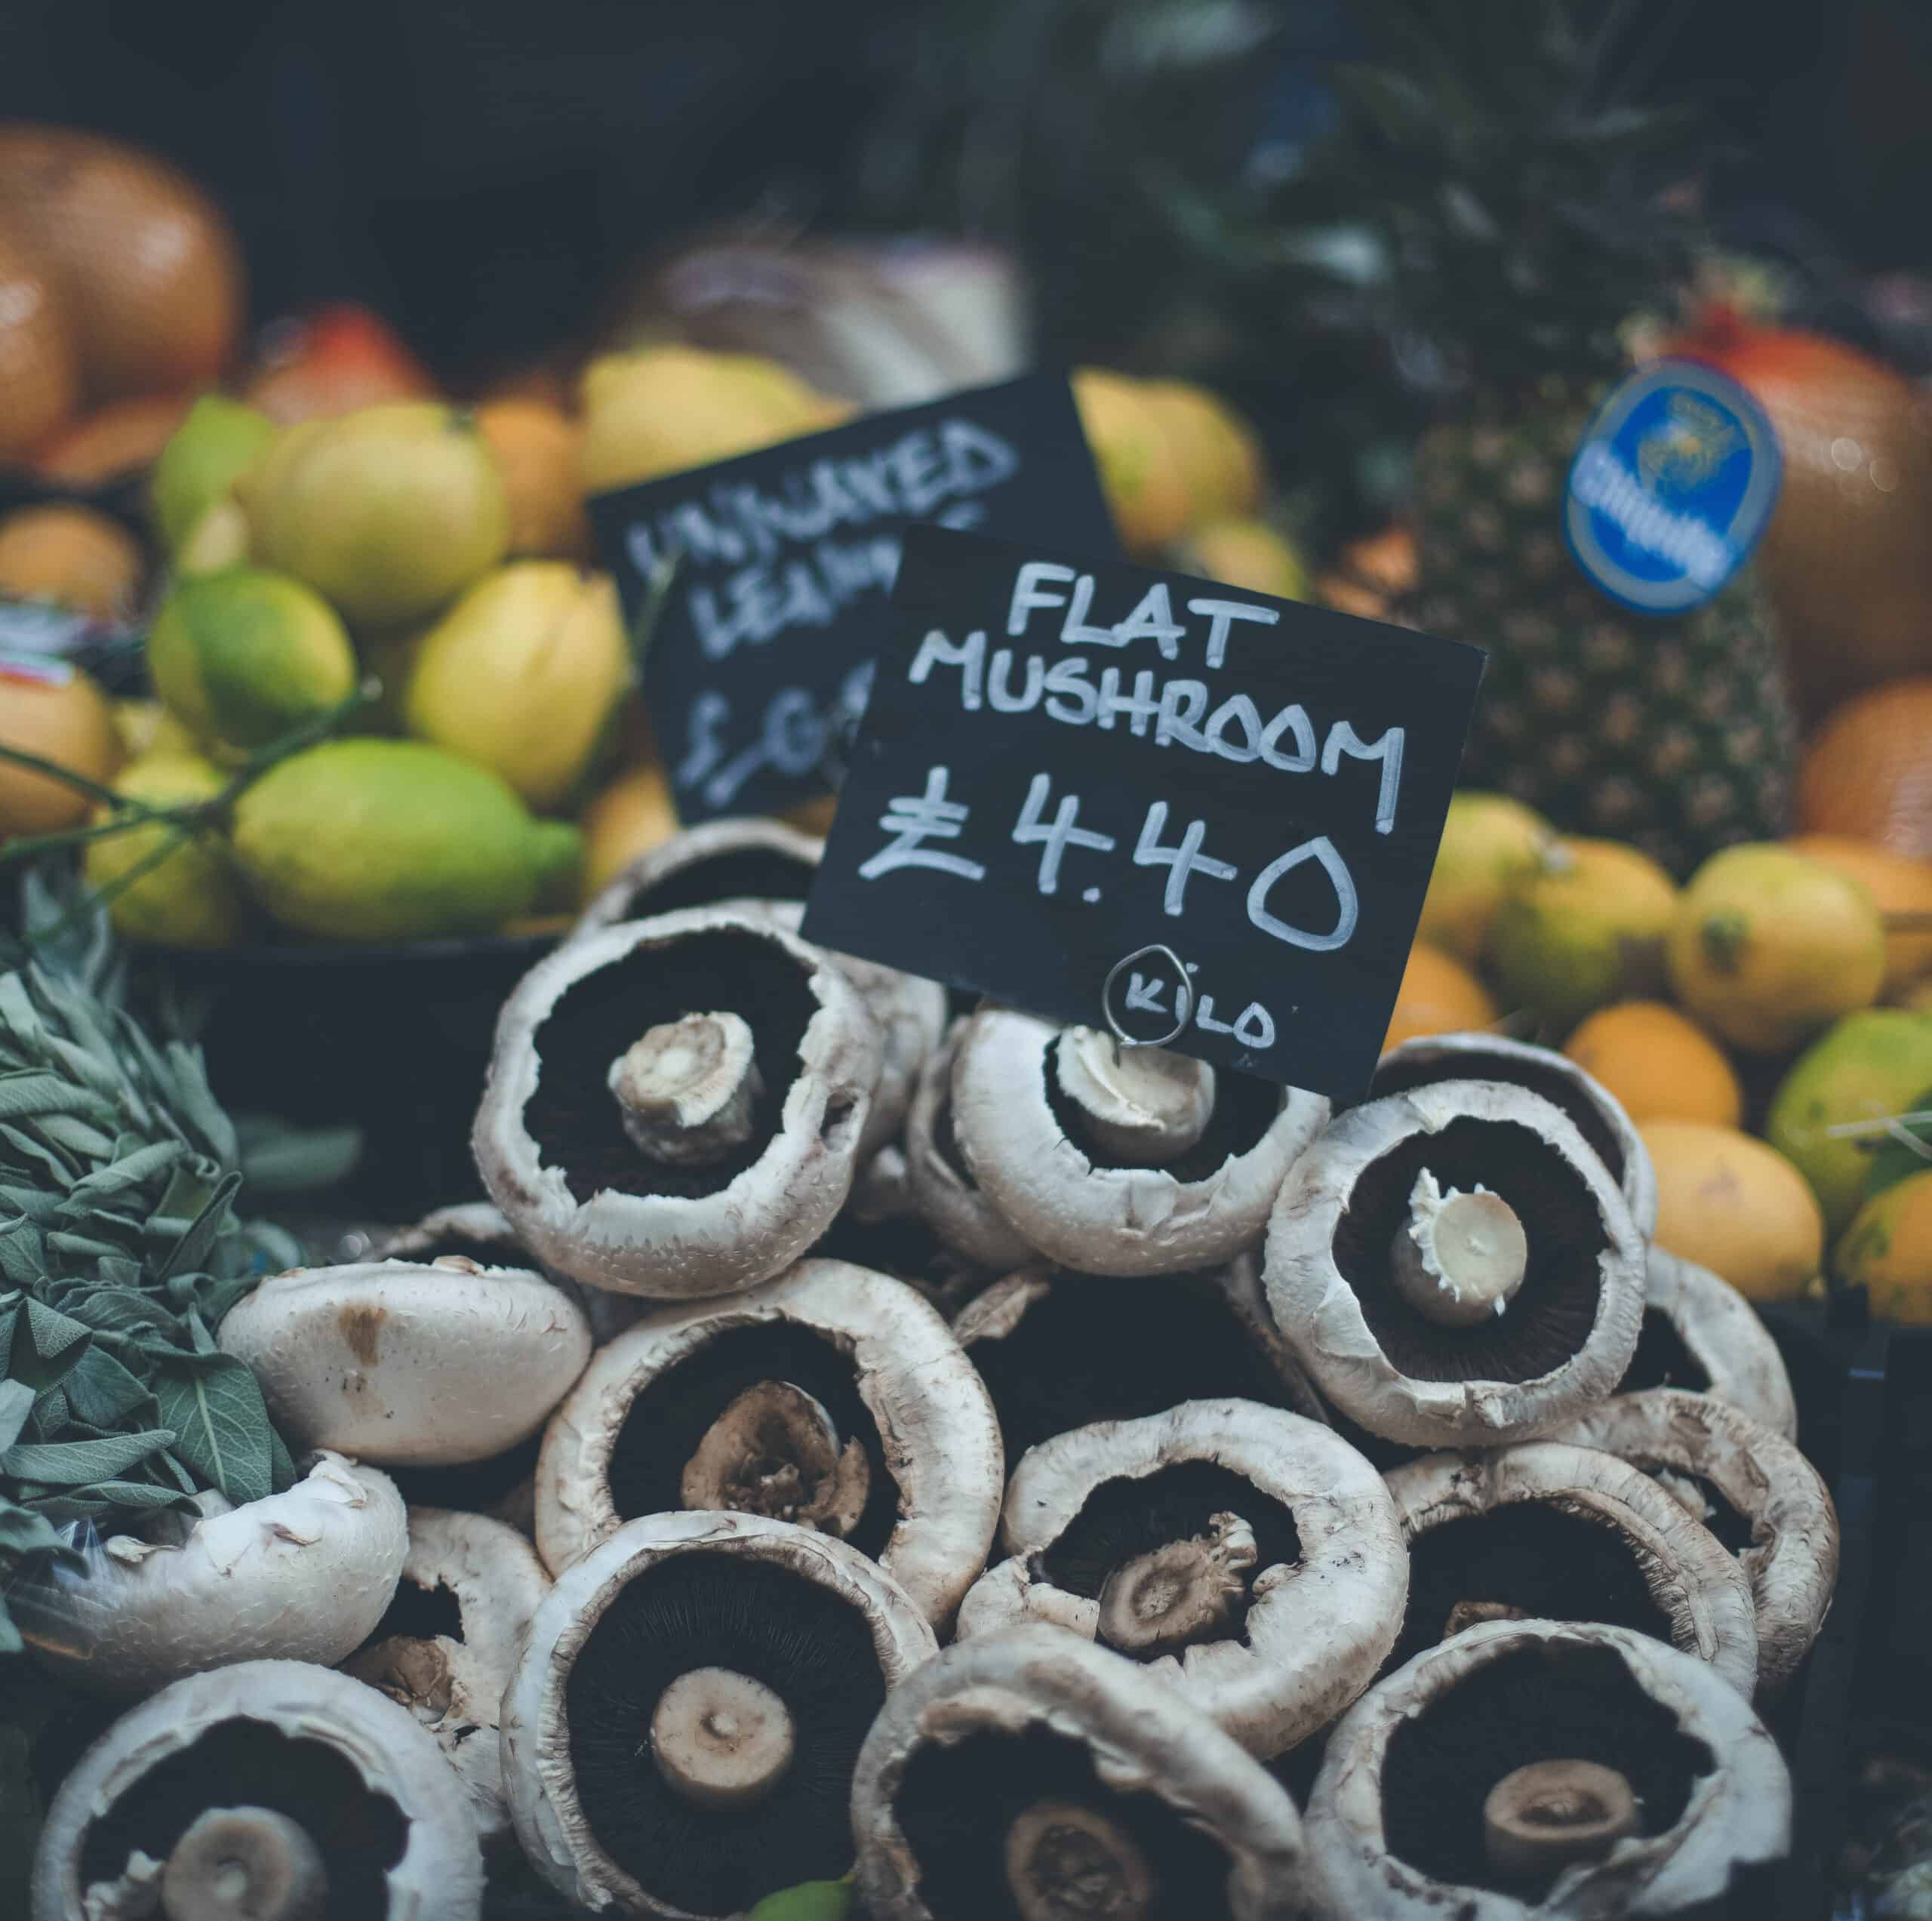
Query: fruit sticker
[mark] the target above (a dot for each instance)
(1671, 487)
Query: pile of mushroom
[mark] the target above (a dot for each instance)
(1240, 1450)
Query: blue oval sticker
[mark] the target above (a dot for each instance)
(1671, 487)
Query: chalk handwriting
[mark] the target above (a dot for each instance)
(913, 819)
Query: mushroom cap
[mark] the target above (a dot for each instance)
(439, 1872)
(1696, 1583)
(736, 1229)
(1738, 1814)
(1317, 1630)
(1725, 1338)
(409, 1365)
(1202, 1209)
(1143, 1738)
(739, 859)
(942, 1186)
(475, 1229)
(1451, 1388)
(1596, 1113)
(539, 1773)
(1792, 1560)
(936, 1422)
(454, 1685)
(303, 1575)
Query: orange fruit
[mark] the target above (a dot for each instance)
(70, 556)
(150, 270)
(536, 447)
(1887, 1250)
(1867, 773)
(1437, 996)
(1899, 885)
(627, 816)
(1659, 1065)
(56, 712)
(39, 374)
(331, 361)
(1726, 1202)
(114, 440)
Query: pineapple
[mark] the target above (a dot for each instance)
(1522, 242)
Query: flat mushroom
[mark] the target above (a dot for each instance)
(1059, 1349)
(1700, 1333)
(1752, 1488)
(1552, 1531)
(407, 1363)
(1253, 1560)
(880, 1228)
(831, 1397)
(1455, 1266)
(447, 1645)
(1596, 1113)
(942, 1187)
(1541, 1771)
(1030, 1773)
(1152, 1166)
(680, 1737)
(608, 1134)
(272, 1790)
(303, 1575)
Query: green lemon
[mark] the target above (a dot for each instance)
(811, 1901)
(373, 839)
(191, 896)
(243, 656)
(218, 442)
(1863, 1069)
(1489, 842)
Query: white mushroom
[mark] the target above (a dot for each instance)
(942, 1186)
(488, 1579)
(1539, 1320)
(1550, 1530)
(231, 1794)
(303, 1575)
(1031, 1772)
(475, 1230)
(1595, 1113)
(725, 1404)
(1250, 1556)
(1701, 1334)
(680, 1737)
(408, 1365)
(1037, 1155)
(559, 1152)
(1410, 1819)
(1764, 1489)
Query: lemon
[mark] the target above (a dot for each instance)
(1870, 1065)
(370, 839)
(1887, 1250)
(242, 657)
(218, 539)
(1217, 453)
(146, 727)
(1658, 1065)
(522, 675)
(387, 512)
(204, 456)
(1437, 996)
(1489, 842)
(627, 818)
(1139, 475)
(190, 897)
(1585, 927)
(1767, 947)
(1728, 1202)
(1247, 554)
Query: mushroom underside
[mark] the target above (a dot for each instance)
(750, 873)
(1663, 1358)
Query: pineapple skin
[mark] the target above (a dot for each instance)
(1675, 734)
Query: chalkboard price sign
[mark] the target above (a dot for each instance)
(762, 655)
(1068, 776)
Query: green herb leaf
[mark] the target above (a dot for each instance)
(16, 1400)
(105, 1393)
(215, 1405)
(77, 1464)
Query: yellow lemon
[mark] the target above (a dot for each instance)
(1887, 1250)
(1489, 842)
(1217, 453)
(1728, 1202)
(1243, 553)
(1437, 996)
(1897, 883)
(1767, 947)
(1659, 1066)
(625, 818)
(218, 442)
(1138, 474)
(190, 897)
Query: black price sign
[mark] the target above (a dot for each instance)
(762, 654)
(1063, 767)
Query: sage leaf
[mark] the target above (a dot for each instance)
(76, 1463)
(215, 1405)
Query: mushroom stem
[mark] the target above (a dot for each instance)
(720, 1738)
(244, 1864)
(1458, 1257)
(1065, 1862)
(1162, 1601)
(1141, 1107)
(1551, 1814)
(774, 1451)
(1473, 1613)
(688, 1088)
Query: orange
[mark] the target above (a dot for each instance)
(1728, 1202)
(40, 375)
(536, 447)
(1660, 1066)
(115, 440)
(70, 556)
(1887, 1250)
(627, 818)
(57, 713)
(1867, 772)
(1438, 996)
(1899, 885)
